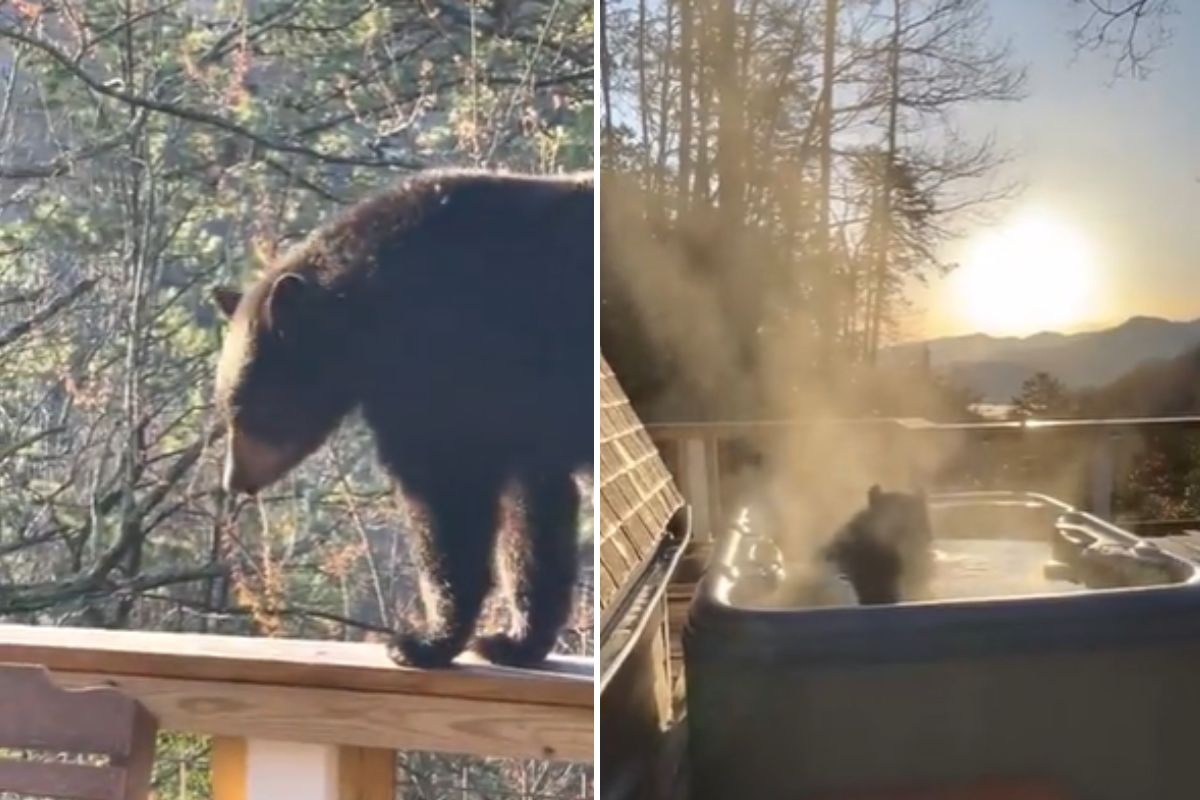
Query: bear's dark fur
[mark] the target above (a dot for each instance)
(456, 310)
(885, 550)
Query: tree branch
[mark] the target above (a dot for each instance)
(36, 597)
(111, 89)
(61, 164)
(1119, 24)
(22, 328)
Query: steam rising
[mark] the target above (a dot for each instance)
(805, 478)
(682, 285)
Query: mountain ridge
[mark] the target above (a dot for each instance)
(994, 367)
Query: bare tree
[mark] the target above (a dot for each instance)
(932, 56)
(837, 173)
(1131, 31)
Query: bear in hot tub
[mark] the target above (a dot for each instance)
(885, 551)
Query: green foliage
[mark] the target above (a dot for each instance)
(181, 767)
(1044, 397)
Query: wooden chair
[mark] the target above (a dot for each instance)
(35, 714)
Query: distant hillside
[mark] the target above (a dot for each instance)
(994, 367)
(1165, 388)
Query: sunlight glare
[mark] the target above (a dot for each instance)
(1033, 275)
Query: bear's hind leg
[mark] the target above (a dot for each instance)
(453, 533)
(541, 563)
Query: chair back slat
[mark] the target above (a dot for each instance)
(36, 714)
(67, 781)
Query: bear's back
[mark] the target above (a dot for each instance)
(476, 297)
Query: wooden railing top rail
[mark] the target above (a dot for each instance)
(327, 692)
(728, 428)
(289, 662)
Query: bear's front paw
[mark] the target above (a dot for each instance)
(414, 650)
(506, 651)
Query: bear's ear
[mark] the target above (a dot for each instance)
(227, 299)
(874, 495)
(289, 295)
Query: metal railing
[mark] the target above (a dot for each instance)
(1099, 449)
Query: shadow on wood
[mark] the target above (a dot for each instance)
(37, 715)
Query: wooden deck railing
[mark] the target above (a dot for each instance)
(310, 720)
(692, 450)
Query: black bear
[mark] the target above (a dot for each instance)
(456, 310)
(885, 550)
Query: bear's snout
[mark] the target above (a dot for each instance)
(251, 464)
(235, 480)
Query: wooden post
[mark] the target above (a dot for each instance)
(261, 769)
(366, 773)
(1100, 477)
(695, 487)
(712, 477)
(671, 452)
(227, 761)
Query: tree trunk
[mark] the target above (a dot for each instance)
(883, 247)
(643, 87)
(687, 49)
(825, 301)
(606, 79)
(704, 91)
(664, 100)
(729, 106)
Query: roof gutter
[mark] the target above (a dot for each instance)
(622, 625)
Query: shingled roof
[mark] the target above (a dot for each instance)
(637, 495)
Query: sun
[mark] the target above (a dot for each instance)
(1034, 274)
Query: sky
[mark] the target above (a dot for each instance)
(1111, 184)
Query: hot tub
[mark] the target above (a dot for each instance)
(1057, 648)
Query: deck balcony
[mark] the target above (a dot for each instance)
(717, 466)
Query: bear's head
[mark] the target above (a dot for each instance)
(281, 381)
(899, 517)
